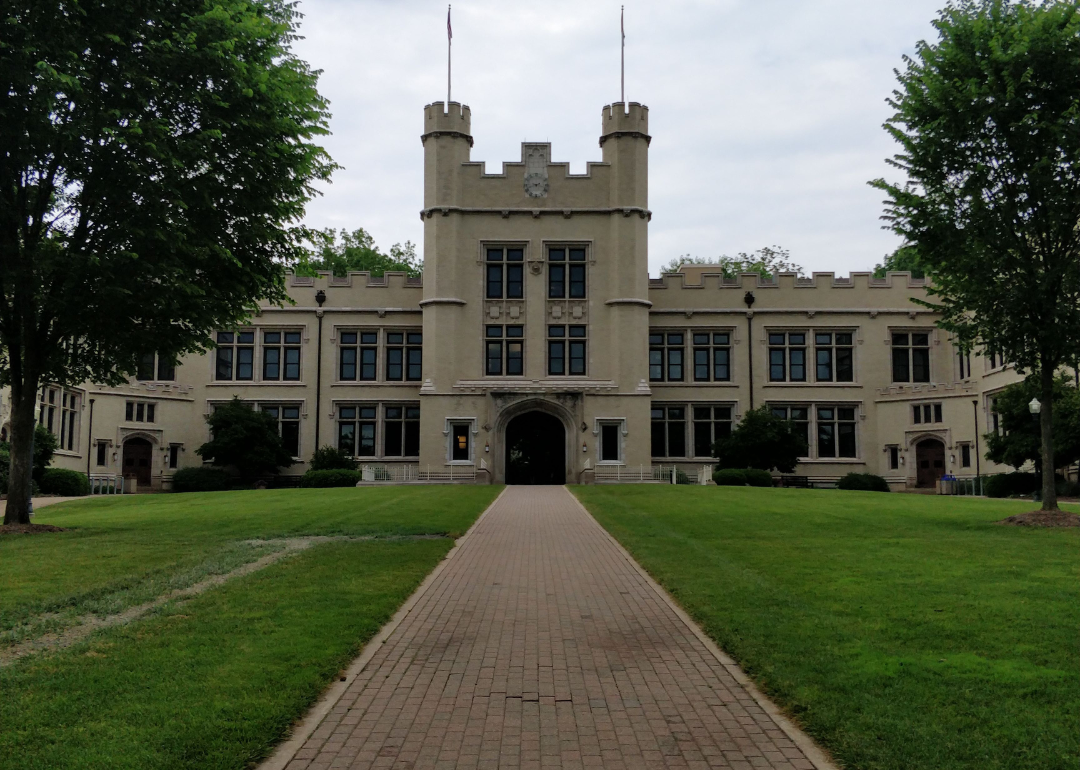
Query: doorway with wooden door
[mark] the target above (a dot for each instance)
(138, 462)
(929, 462)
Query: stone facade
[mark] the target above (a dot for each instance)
(536, 333)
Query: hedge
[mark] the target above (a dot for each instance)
(756, 477)
(333, 478)
(64, 483)
(201, 480)
(1009, 484)
(729, 477)
(866, 482)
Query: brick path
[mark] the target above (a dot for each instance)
(540, 644)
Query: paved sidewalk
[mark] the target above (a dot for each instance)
(540, 644)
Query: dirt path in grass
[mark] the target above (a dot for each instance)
(88, 624)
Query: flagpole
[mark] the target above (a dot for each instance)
(622, 55)
(449, 38)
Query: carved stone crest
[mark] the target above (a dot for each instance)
(536, 169)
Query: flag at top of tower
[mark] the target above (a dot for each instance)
(449, 30)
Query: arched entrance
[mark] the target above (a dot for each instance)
(535, 449)
(138, 460)
(929, 462)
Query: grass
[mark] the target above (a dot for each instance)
(214, 681)
(901, 631)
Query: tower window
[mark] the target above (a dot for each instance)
(504, 350)
(911, 357)
(505, 273)
(235, 358)
(566, 273)
(787, 357)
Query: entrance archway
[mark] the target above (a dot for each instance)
(138, 460)
(929, 462)
(535, 449)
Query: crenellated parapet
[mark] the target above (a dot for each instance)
(440, 121)
(696, 289)
(355, 292)
(629, 120)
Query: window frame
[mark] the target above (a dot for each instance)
(504, 267)
(716, 342)
(666, 419)
(509, 341)
(282, 420)
(812, 421)
(159, 368)
(572, 262)
(714, 420)
(783, 352)
(905, 349)
(662, 351)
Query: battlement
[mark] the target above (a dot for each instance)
(620, 118)
(456, 120)
(711, 276)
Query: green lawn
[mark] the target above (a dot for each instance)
(215, 681)
(901, 631)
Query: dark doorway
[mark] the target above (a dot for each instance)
(929, 462)
(535, 449)
(138, 460)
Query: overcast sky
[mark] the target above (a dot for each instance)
(765, 114)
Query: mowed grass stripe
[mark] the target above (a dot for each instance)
(900, 630)
(214, 682)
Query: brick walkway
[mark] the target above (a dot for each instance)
(540, 644)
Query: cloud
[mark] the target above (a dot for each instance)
(766, 116)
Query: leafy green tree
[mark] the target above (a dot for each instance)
(767, 262)
(761, 440)
(156, 161)
(341, 252)
(904, 259)
(244, 438)
(1020, 439)
(330, 458)
(989, 130)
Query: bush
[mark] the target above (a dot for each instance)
(245, 439)
(729, 477)
(330, 458)
(1068, 488)
(865, 482)
(761, 440)
(1009, 484)
(64, 483)
(758, 478)
(330, 478)
(200, 480)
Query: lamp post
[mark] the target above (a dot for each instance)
(1036, 409)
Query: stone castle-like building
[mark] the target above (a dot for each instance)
(536, 349)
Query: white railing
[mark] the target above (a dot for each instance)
(106, 484)
(651, 474)
(402, 474)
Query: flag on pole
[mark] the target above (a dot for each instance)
(622, 22)
(449, 29)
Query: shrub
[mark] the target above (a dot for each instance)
(330, 478)
(244, 438)
(200, 480)
(64, 483)
(1009, 484)
(866, 482)
(756, 477)
(762, 440)
(729, 477)
(1068, 488)
(330, 458)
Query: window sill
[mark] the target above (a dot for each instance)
(380, 383)
(461, 462)
(610, 463)
(831, 461)
(694, 384)
(771, 384)
(67, 453)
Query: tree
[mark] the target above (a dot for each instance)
(989, 130)
(1019, 441)
(157, 158)
(762, 440)
(341, 252)
(244, 438)
(766, 261)
(904, 260)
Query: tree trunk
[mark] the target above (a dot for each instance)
(1046, 423)
(20, 483)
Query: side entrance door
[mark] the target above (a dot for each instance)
(930, 462)
(138, 461)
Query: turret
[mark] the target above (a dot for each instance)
(624, 138)
(447, 141)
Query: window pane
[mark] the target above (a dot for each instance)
(392, 435)
(920, 340)
(557, 255)
(514, 277)
(415, 364)
(846, 439)
(150, 408)
(369, 338)
(556, 362)
(348, 364)
(577, 358)
(366, 443)
(494, 358)
(245, 358)
(348, 412)
(272, 362)
(514, 362)
(577, 331)
(798, 364)
(166, 370)
(367, 413)
(721, 365)
(494, 331)
(920, 365)
(494, 281)
(367, 363)
(557, 281)
(917, 415)
(290, 438)
(926, 413)
(900, 339)
(577, 281)
(845, 413)
(721, 339)
(845, 369)
(460, 446)
(395, 338)
(292, 338)
(146, 367)
(824, 413)
(129, 411)
(797, 339)
(494, 255)
(776, 339)
(656, 365)
(577, 255)
(701, 364)
(822, 339)
(701, 339)
(609, 443)
(674, 339)
(412, 437)
(224, 337)
(347, 338)
(937, 412)
(676, 437)
(675, 363)
(140, 412)
(415, 338)
(656, 339)
(347, 437)
(292, 364)
(702, 438)
(515, 255)
(515, 331)
(394, 360)
(843, 339)
(556, 331)
(224, 364)
(659, 439)
(826, 439)
(824, 364)
(776, 365)
(900, 371)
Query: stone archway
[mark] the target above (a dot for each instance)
(508, 412)
(929, 462)
(535, 449)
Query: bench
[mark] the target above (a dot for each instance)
(801, 482)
